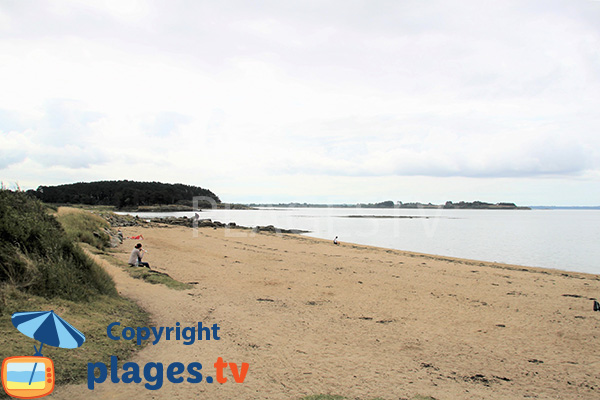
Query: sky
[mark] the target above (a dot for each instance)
(337, 101)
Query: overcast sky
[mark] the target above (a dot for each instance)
(316, 101)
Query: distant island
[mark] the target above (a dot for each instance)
(475, 205)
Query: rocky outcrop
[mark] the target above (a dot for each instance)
(117, 221)
(271, 228)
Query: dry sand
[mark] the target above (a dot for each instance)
(363, 322)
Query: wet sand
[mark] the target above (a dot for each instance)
(310, 317)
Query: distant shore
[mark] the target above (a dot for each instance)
(312, 317)
(462, 205)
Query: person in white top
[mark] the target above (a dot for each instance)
(135, 259)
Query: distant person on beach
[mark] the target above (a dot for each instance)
(135, 259)
(335, 241)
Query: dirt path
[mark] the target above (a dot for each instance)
(310, 317)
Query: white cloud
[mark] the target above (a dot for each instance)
(196, 91)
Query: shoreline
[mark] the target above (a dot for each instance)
(537, 246)
(469, 261)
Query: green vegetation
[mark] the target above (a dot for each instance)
(83, 226)
(41, 269)
(91, 318)
(125, 194)
(480, 205)
(156, 277)
(151, 276)
(38, 257)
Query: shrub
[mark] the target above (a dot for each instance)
(38, 257)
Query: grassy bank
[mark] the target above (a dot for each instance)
(90, 230)
(85, 227)
(42, 268)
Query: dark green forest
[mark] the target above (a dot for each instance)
(122, 194)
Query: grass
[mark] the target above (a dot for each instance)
(42, 269)
(38, 256)
(156, 278)
(149, 275)
(83, 226)
(87, 228)
(91, 318)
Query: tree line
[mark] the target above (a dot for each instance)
(122, 194)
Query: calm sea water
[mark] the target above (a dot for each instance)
(561, 239)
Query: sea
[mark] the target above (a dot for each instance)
(560, 239)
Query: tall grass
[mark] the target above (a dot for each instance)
(37, 255)
(83, 226)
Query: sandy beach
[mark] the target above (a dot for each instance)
(310, 317)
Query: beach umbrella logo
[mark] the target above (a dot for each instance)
(34, 376)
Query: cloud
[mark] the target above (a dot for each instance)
(165, 124)
(13, 148)
(65, 122)
(426, 146)
(305, 90)
(10, 121)
(59, 135)
(9, 157)
(69, 156)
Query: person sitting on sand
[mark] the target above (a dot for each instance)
(135, 259)
(335, 241)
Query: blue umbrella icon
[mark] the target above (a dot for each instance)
(48, 328)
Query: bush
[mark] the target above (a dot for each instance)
(38, 257)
